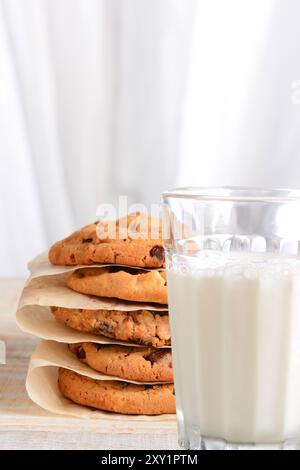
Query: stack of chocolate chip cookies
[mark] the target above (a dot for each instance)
(132, 258)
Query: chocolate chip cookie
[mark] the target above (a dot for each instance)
(116, 396)
(135, 240)
(146, 327)
(122, 283)
(131, 363)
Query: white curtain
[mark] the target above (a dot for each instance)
(241, 122)
(100, 98)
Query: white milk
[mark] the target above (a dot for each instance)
(235, 328)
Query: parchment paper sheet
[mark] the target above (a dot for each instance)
(39, 321)
(41, 385)
(40, 266)
(52, 353)
(52, 290)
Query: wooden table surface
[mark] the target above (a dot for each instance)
(23, 425)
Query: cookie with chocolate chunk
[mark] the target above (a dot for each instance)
(122, 283)
(134, 240)
(131, 363)
(147, 327)
(117, 396)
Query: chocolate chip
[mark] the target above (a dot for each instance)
(80, 353)
(87, 240)
(105, 328)
(156, 355)
(141, 341)
(116, 269)
(173, 391)
(98, 346)
(158, 252)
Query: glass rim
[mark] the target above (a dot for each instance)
(233, 194)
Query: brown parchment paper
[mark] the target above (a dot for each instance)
(39, 321)
(41, 386)
(40, 266)
(52, 353)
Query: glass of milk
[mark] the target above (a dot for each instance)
(233, 274)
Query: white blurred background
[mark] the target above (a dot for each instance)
(100, 98)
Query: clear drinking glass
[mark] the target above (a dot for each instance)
(233, 274)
